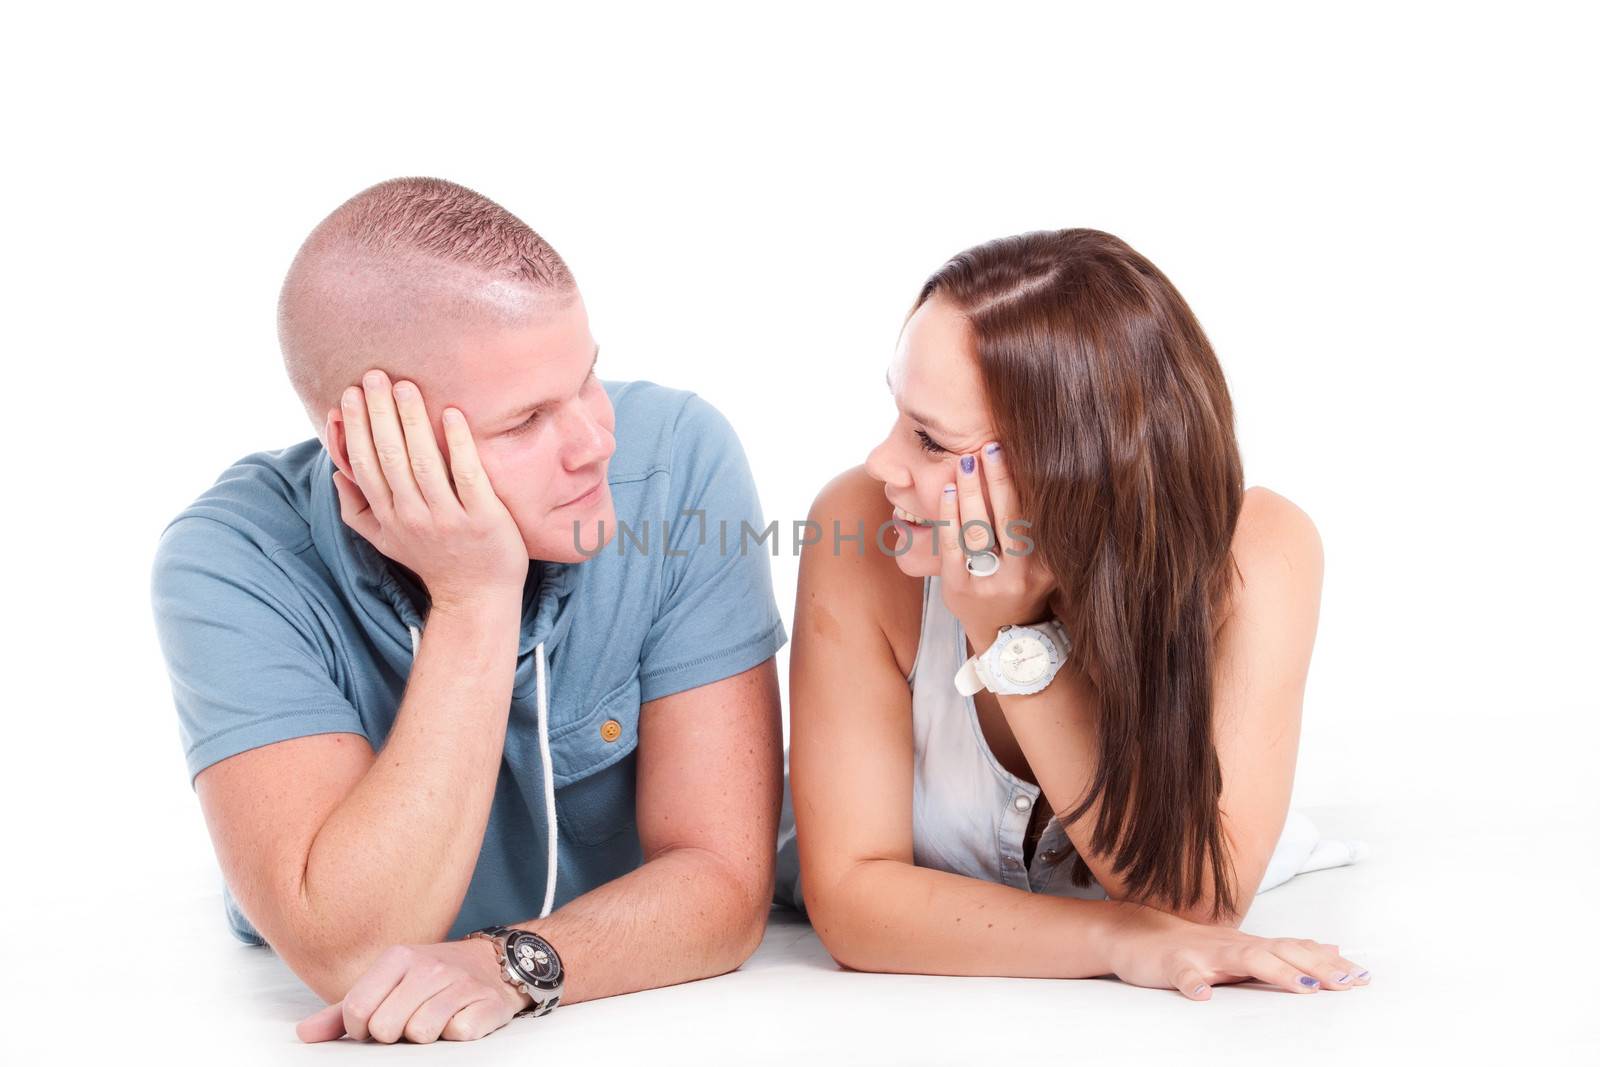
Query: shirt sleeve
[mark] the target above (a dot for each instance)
(717, 615)
(238, 639)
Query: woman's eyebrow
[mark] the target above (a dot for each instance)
(933, 424)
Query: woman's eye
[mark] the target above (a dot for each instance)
(927, 443)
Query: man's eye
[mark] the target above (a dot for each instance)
(524, 427)
(927, 443)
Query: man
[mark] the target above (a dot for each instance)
(425, 690)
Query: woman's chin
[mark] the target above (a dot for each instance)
(912, 548)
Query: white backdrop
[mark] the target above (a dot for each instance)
(1383, 215)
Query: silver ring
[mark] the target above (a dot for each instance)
(982, 564)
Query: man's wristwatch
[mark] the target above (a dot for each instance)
(1022, 660)
(530, 963)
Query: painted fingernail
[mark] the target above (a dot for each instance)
(993, 450)
(1308, 981)
(1341, 978)
(1363, 974)
(950, 488)
(1197, 990)
(968, 464)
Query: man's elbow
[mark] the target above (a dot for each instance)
(746, 892)
(328, 965)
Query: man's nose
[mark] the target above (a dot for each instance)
(587, 440)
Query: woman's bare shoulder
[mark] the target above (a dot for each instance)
(862, 578)
(1277, 549)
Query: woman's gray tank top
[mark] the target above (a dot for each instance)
(970, 815)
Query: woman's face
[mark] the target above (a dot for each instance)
(943, 414)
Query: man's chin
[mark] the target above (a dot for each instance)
(581, 538)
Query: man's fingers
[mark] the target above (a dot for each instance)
(363, 458)
(427, 464)
(472, 484)
(371, 988)
(424, 978)
(477, 1019)
(324, 1025)
(427, 1023)
(390, 443)
(353, 507)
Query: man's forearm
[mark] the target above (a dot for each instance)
(392, 863)
(685, 914)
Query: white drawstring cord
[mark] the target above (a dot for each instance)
(549, 770)
(549, 783)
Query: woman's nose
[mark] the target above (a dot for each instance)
(881, 466)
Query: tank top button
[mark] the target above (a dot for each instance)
(1024, 803)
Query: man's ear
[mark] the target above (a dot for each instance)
(333, 440)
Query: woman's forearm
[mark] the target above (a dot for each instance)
(1055, 728)
(887, 915)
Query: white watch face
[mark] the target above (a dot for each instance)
(1024, 659)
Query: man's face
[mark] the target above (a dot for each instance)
(540, 419)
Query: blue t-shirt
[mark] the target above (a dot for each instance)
(277, 620)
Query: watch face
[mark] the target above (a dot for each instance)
(533, 956)
(1024, 659)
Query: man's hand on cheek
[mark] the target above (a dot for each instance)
(420, 993)
(459, 539)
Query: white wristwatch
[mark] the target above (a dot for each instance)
(1022, 660)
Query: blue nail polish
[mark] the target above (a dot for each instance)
(949, 488)
(1307, 980)
(968, 464)
(1363, 974)
(994, 448)
(1341, 978)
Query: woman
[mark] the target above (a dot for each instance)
(1115, 790)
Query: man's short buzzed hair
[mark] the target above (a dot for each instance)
(395, 253)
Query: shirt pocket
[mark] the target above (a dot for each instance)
(594, 761)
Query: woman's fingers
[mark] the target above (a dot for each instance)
(947, 545)
(1002, 500)
(1322, 962)
(1261, 960)
(363, 457)
(427, 464)
(1192, 984)
(979, 536)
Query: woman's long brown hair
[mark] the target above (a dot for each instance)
(1119, 432)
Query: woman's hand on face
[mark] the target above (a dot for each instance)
(1149, 947)
(1019, 592)
(443, 521)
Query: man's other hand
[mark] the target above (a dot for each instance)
(421, 993)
